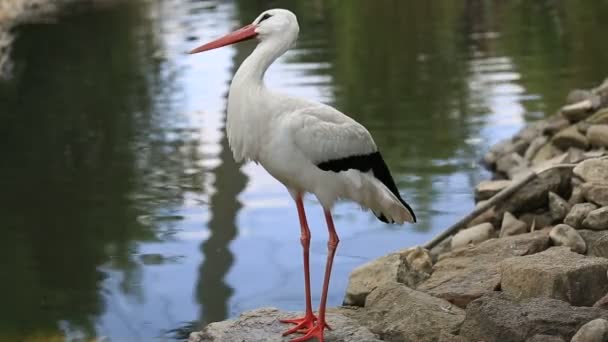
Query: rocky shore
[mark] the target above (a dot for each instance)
(532, 267)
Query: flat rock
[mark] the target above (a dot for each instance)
(593, 171)
(564, 235)
(597, 219)
(595, 193)
(578, 213)
(570, 137)
(466, 274)
(578, 95)
(365, 278)
(473, 235)
(512, 226)
(534, 195)
(262, 325)
(497, 317)
(594, 331)
(558, 207)
(556, 273)
(598, 135)
(398, 313)
(488, 188)
(596, 241)
(582, 109)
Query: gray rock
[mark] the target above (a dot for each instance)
(535, 146)
(594, 331)
(535, 194)
(593, 171)
(512, 226)
(503, 148)
(556, 125)
(497, 317)
(570, 137)
(473, 235)
(596, 241)
(546, 152)
(602, 303)
(582, 109)
(489, 215)
(582, 127)
(599, 118)
(578, 95)
(398, 313)
(575, 155)
(262, 325)
(598, 135)
(556, 273)
(558, 207)
(545, 338)
(370, 275)
(597, 219)
(511, 164)
(576, 196)
(578, 213)
(488, 188)
(445, 336)
(595, 193)
(564, 235)
(418, 258)
(466, 274)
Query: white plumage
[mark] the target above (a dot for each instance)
(309, 147)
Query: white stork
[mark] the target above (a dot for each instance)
(308, 146)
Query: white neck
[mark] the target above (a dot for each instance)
(249, 108)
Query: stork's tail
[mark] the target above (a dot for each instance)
(392, 208)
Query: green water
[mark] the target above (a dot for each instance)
(122, 213)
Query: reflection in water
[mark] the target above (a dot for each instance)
(123, 212)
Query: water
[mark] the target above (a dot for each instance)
(122, 211)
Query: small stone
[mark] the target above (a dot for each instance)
(602, 303)
(564, 235)
(546, 152)
(512, 226)
(576, 196)
(594, 331)
(489, 215)
(596, 241)
(595, 193)
(597, 219)
(503, 148)
(419, 258)
(556, 273)
(574, 155)
(582, 127)
(570, 137)
(534, 147)
(580, 110)
(578, 213)
(598, 135)
(593, 171)
(537, 221)
(558, 207)
(473, 235)
(487, 188)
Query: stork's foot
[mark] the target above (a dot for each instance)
(314, 332)
(302, 324)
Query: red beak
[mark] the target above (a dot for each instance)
(244, 33)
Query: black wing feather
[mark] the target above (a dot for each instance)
(364, 163)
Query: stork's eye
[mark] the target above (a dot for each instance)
(264, 17)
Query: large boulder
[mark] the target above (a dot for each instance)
(262, 325)
(398, 313)
(556, 273)
(497, 317)
(464, 275)
(534, 195)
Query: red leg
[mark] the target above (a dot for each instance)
(332, 244)
(306, 322)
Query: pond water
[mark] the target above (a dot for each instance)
(123, 214)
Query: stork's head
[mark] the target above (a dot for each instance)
(274, 24)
